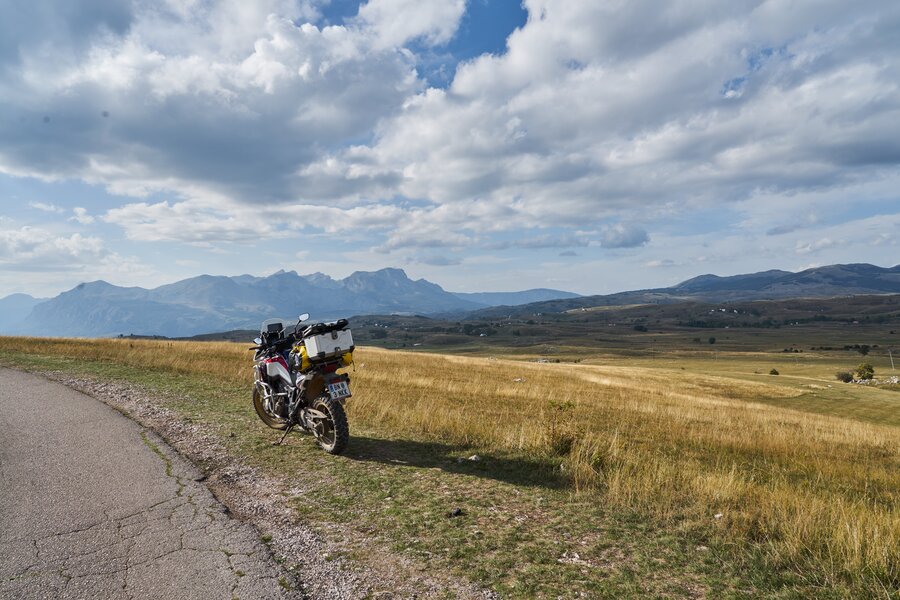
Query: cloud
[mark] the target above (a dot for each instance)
(574, 240)
(257, 120)
(43, 262)
(436, 260)
(81, 216)
(46, 207)
(396, 22)
(603, 110)
(35, 249)
(192, 111)
(623, 236)
(656, 264)
(189, 222)
(817, 245)
(220, 221)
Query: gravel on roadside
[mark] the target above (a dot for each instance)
(311, 563)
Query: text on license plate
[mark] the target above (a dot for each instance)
(339, 389)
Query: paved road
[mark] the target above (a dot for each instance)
(94, 506)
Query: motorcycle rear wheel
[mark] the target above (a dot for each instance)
(332, 433)
(270, 419)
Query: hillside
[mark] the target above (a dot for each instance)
(819, 282)
(515, 298)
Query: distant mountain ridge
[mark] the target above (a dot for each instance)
(14, 308)
(515, 298)
(818, 282)
(210, 303)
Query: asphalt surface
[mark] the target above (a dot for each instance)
(94, 506)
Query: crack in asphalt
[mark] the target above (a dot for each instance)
(162, 533)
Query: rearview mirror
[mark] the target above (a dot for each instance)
(257, 341)
(303, 317)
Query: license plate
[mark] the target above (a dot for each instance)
(338, 390)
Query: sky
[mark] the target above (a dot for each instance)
(591, 146)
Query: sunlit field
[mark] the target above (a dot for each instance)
(725, 451)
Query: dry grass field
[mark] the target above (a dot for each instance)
(815, 496)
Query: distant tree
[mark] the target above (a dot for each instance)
(864, 349)
(640, 328)
(712, 340)
(696, 340)
(845, 376)
(865, 371)
(773, 372)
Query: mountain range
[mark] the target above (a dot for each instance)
(216, 303)
(819, 282)
(209, 303)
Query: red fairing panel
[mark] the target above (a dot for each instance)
(278, 367)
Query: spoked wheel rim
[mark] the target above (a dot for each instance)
(267, 416)
(330, 429)
(324, 429)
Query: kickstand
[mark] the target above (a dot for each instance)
(286, 431)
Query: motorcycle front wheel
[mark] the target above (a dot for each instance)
(270, 419)
(331, 431)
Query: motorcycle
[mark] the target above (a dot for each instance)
(296, 379)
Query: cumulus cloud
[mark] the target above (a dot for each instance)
(197, 112)
(218, 220)
(599, 114)
(624, 236)
(81, 216)
(396, 22)
(610, 109)
(44, 262)
(30, 249)
(46, 207)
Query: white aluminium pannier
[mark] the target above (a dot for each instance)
(329, 344)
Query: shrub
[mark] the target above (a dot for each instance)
(712, 340)
(640, 328)
(845, 376)
(865, 371)
(773, 372)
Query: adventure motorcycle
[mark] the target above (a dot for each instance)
(296, 379)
